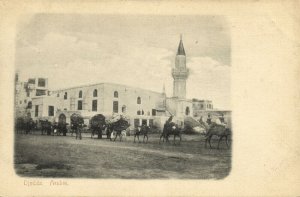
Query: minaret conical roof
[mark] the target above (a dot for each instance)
(180, 47)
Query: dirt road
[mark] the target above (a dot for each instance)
(54, 156)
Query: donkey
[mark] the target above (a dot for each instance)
(143, 130)
(170, 129)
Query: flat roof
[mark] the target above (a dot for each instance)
(105, 83)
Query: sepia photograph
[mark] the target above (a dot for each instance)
(149, 98)
(130, 97)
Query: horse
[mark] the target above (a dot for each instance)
(77, 123)
(143, 130)
(62, 128)
(77, 128)
(72, 129)
(98, 130)
(218, 130)
(97, 124)
(46, 126)
(59, 128)
(19, 125)
(28, 125)
(108, 130)
(170, 129)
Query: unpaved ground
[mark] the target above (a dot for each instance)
(57, 156)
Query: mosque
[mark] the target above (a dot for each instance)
(33, 98)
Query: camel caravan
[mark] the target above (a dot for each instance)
(118, 126)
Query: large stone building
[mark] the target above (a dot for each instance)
(25, 91)
(140, 105)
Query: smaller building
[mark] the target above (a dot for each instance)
(179, 108)
(201, 105)
(26, 91)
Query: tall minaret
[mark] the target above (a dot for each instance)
(180, 73)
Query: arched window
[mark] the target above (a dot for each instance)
(139, 112)
(62, 118)
(80, 94)
(142, 112)
(29, 105)
(124, 109)
(187, 111)
(95, 93)
(138, 100)
(116, 94)
(66, 96)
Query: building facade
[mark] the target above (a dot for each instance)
(25, 92)
(139, 105)
(201, 105)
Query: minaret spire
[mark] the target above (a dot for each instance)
(180, 47)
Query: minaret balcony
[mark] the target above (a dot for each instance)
(180, 72)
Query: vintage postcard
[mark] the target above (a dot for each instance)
(127, 92)
(151, 98)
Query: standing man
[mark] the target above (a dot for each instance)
(222, 119)
(208, 121)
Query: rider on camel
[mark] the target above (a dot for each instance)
(208, 120)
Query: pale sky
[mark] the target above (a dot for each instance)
(135, 50)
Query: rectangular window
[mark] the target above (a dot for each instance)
(36, 111)
(41, 82)
(50, 110)
(94, 105)
(40, 92)
(31, 81)
(151, 122)
(136, 122)
(153, 112)
(144, 122)
(66, 96)
(115, 107)
(79, 107)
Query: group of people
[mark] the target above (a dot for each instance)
(209, 121)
